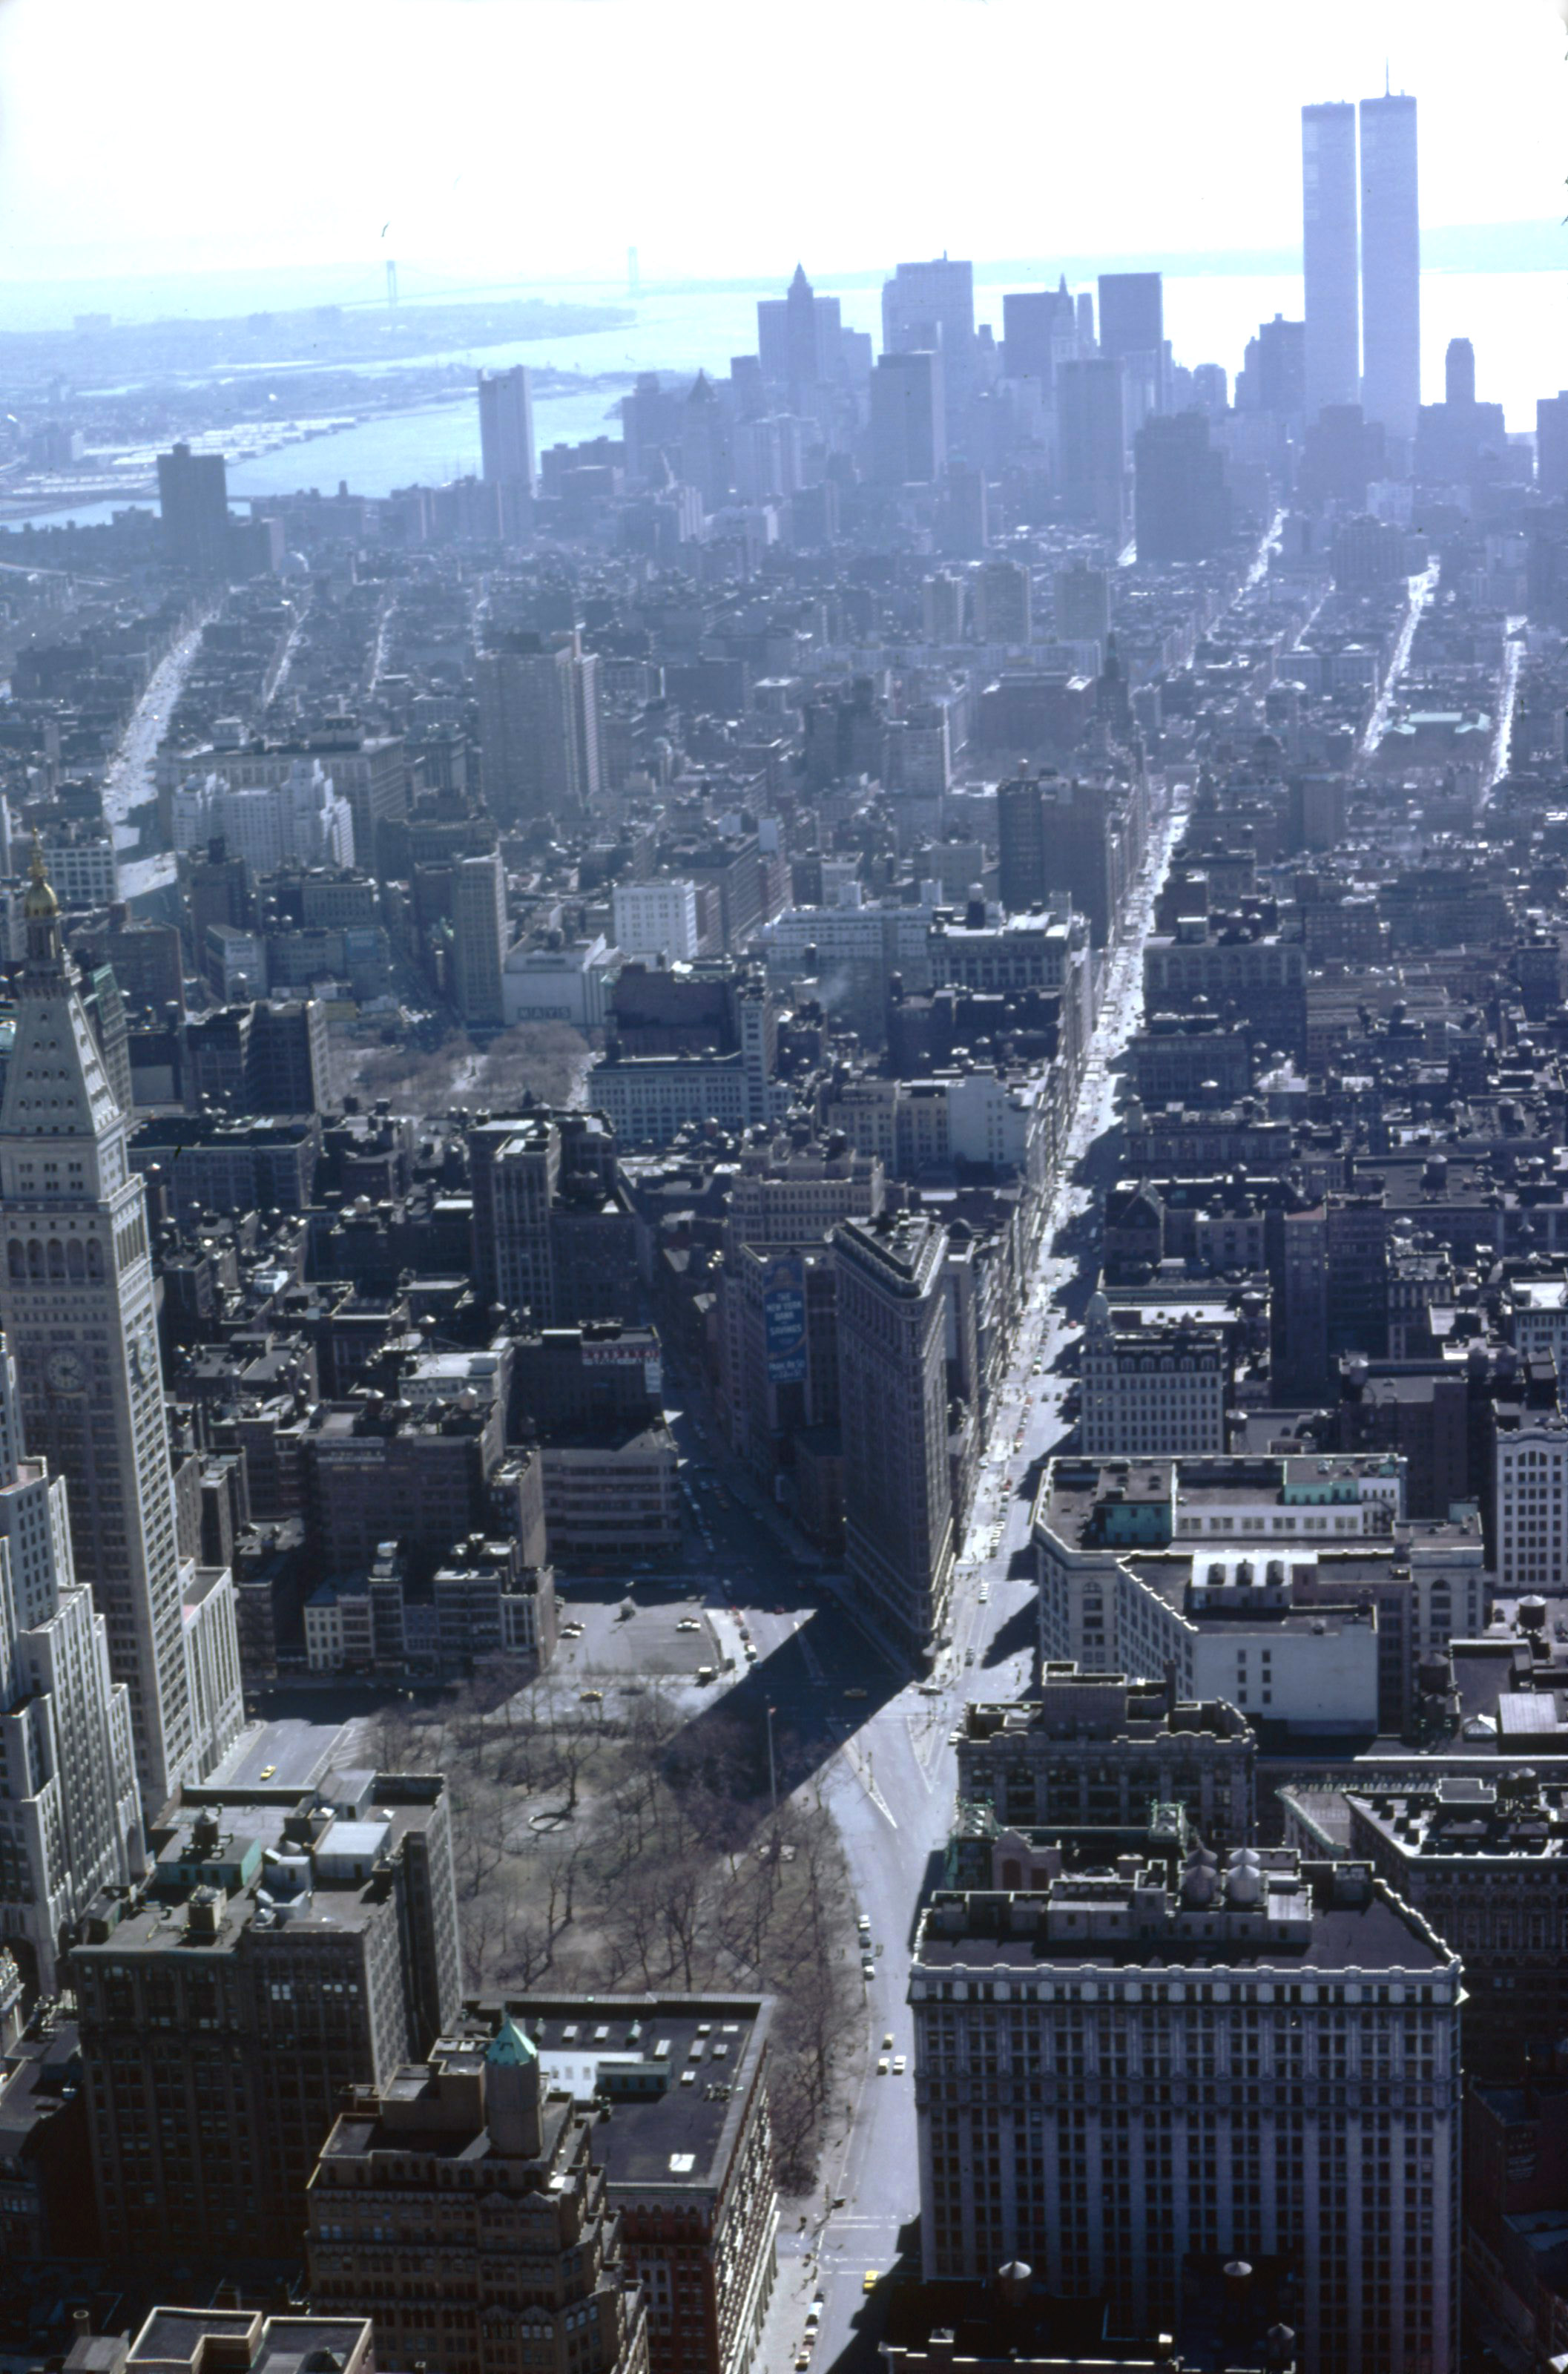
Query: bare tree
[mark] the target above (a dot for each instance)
(633, 1854)
(681, 1903)
(544, 1060)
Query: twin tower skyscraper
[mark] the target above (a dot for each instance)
(1365, 352)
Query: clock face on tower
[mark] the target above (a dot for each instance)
(142, 1355)
(66, 1372)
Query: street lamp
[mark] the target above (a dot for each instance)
(772, 1772)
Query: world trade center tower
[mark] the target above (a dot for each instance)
(1329, 254)
(1390, 263)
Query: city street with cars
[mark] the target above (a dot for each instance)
(775, 1634)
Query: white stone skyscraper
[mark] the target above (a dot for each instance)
(77, 1302)
(69, 1823)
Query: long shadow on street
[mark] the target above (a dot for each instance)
(1017, 1634)
(810, 1718)
(878, 2318)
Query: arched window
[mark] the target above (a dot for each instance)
(35, 1258)
(15, 1260)
(94, 1258)
(56, 1258)
(74, 1263)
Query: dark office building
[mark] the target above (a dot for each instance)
(1330, 262)
(1132, 314)
(1031, 319)
(288, 1068)
(1082, 854)
(1092, 428)
(192, 498)
(1281, 366)
(280, 1950)
(1551, 445)
(1343, 452)
(909, 429)
(1390, 262)
(1021, 844)
(1453, 437)
(1182, 507)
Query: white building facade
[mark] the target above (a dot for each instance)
(303, 820)
(69, 1823)
(77, 1300)
(657, 919)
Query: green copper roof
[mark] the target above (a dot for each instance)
(510, 2049)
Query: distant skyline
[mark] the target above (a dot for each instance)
(536, 139)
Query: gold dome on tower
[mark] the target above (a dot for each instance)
(40, 905)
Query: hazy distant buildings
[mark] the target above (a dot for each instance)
(1452, 436)
(931, 305)
(800, 339)
(1132, 314)
(1459, 373)
(1132, 330)
(1003, 612)
(1277, 366)
(304, 820)
(1038, 328)
(968, 512)
(1021, 844)
(909, 435)
(1092, 441)
(1390, 263)
(538, 726)
(1551, 445)
(657, 919)
(1329, 254)
(506, 428)
(1183, 509)
(1082, 603)
(479, 937)
(193, 500)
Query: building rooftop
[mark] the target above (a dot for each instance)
(229, 1862)
(677, 2071)
(901, 1247)
(1266, 1910)
(42, 2073)
(218, 2341)
(1469, 1819)
(1094, 1503)
(1099, 1706)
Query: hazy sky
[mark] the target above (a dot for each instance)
(537, 138)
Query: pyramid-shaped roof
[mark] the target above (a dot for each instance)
(510, 2048)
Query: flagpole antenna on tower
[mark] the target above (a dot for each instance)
(391, 282)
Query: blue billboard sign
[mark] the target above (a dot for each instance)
(784, 1320)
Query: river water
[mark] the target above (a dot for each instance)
(1517, 322)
